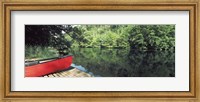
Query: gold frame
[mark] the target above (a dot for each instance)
(9, 5)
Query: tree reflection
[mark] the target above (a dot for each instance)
(125, 62)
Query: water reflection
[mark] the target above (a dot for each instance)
(125, 63)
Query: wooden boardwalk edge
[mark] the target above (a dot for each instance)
(72, 72)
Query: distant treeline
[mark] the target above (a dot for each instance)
(140, 37)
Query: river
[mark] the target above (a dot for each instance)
(124, 63)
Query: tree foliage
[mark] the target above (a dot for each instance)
(48, 35)
(140, 37)
(152, 37)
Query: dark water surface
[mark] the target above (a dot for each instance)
(124, 63)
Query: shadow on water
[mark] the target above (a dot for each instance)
(125, 63)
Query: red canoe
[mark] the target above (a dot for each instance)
(48, 67)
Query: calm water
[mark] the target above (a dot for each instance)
(124, 63)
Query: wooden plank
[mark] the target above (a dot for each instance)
(55, 74)
(50, 75)
(60, 74)
(69, 73)
(63, 74)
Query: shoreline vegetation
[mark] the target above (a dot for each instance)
(54, 40)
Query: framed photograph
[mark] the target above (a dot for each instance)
(100, 49)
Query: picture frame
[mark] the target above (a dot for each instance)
(119, 5)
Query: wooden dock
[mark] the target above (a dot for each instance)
(72, 72)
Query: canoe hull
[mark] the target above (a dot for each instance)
(48, 67)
